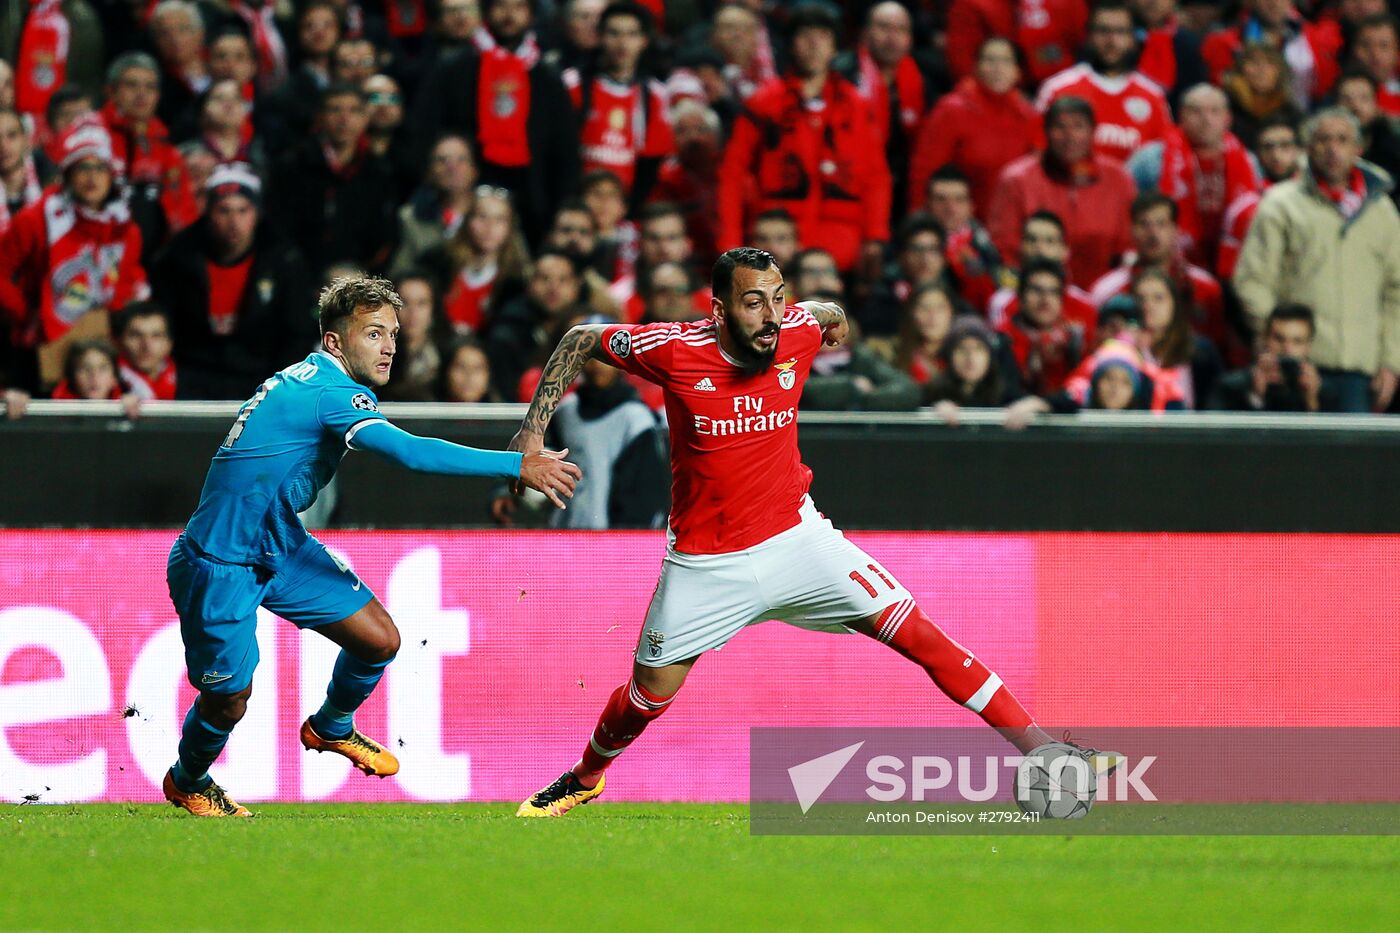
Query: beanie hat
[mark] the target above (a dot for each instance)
(234, 178)
(85, 139)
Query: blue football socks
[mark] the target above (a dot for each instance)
(200, 744)
(352, 681)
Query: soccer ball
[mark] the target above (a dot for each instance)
(1056, 782)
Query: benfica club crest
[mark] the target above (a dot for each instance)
(655, 640)
(503, 102)
(786, 377)
(44, 73)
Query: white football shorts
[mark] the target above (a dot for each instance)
(809, 576)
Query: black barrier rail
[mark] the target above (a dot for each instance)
(81, 464)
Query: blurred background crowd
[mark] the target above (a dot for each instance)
(1046, 205)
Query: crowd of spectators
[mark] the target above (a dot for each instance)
(1044, 205)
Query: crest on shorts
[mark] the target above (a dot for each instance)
(1138, 108)
(654, 642)
(620, 343)
(786, 377)
(363, 402)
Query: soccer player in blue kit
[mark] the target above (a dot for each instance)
(245, 546)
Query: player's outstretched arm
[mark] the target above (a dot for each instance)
(544, 470)
(832, 318)
(582, 343)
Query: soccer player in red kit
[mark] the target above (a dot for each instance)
(746, 542)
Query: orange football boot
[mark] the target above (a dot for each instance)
(364, 753)
(212, 801)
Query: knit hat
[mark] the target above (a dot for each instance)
(1124, 306)
(963, 327)
(234, 178)
(87, 138)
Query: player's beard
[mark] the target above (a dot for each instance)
(749, 356)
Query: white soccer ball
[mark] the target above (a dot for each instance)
(1057, 782)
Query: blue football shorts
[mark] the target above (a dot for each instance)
(218, 605)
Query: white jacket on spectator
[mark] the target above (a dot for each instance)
(1301, 249)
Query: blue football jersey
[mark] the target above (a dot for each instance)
(283, 448)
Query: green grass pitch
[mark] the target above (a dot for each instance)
(659, 867)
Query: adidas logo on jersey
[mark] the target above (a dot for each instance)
(705, 385)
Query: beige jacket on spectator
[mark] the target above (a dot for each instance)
(1301, 249)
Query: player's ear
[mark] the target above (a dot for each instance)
(716, 308)
(330, 341)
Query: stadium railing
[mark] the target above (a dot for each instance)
(82, 464)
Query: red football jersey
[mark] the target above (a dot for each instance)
(737, 478)
(1129, 110)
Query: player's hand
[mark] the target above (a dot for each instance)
(503, 510)
(833, 335)
(548, 472)
(527, 443)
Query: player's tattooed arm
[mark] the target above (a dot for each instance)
(832, 319)
(582, 343)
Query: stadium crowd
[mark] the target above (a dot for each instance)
(1043, 204)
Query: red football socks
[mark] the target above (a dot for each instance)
(954, 669)
(629, 710)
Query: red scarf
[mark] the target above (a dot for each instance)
(1158, 57)
(350, 166)
(1349, 200)
(89, 265)
(503, 99)
(42, 66)
(406, 18)
(159, 387)
(1180, 178)
(259, 16)
(1041, 39)
(31, 193)
(65, 392)
(908, 86)
(1046, 355)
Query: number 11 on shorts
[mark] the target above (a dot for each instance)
(869, 588)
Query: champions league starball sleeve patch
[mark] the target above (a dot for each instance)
(620, 343)
(364, 403)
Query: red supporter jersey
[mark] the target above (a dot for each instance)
(1239, 216)
(617, 131)
(468, 298)
(737, 478)
(1129, 110)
